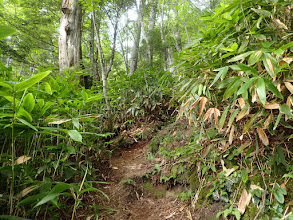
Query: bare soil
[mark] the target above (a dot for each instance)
(130, 198)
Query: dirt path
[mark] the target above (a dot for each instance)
(131, 199)
(137, 199)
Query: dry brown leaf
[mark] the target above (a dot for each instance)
(228, 172)
(253, 96)
(27, 190)
(288, 59)
(281, 24)
(217, 113)
(242, 114)
(184, 106)
(231, 136)
(197, 101)
(58, 122)
(283, 185)
(271, 106)
(22, 159)
(209, 113)
(255, 187)
(263, 137)
(289, 102)
(289, 86)
(244, 201)
(271, 67)
(243, 146)
(241, 102)
(189, 214)
(203, 102)
(267, 121)
(259, 67)
(206, 151)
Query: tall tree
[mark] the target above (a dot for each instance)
(70, 34)
(134, 52)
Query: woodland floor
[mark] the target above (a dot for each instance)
(138, 198)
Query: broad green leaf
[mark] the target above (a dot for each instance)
(27, 124)
(88, 190)
(75, 135)
(22, 112)
(31, 199)
(277, 120)
(246, 85)
(233, 116)
(30, 82)
(269, 64)
(223, 118)
(248, 69)
(251, 121)
(75, 122)
(261, 90)
(6, 85)
(60, 187)
(281, 156)
(47, 198)
(232, 89)
(6, 31)
(48, 88)
(288, 175)
(286, 46)
(240, 57)
(11, 217)
(29, 102)
(286, 110)
(254, 57)
(279, 196)
(272, 88)
(222, 72)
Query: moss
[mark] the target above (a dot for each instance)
(250, 212)
(158, 192)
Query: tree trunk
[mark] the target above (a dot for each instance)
(70, 34)
(104, 68)
(150, 32)
(93, 59)
(134, 52)
(167, 50)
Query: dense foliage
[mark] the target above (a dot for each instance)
(230, 70)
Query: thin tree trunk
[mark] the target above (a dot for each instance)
(151, 27)
(134, 52)
(70, 34)
(104, 68)
(93, 59)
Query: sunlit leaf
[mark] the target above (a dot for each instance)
(6, 31)
(261, 90)
(31, 81)
(75, 135)
(254, 57)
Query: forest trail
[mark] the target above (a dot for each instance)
(137, 199)
(132, 200)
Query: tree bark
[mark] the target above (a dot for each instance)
(93, 59)
(134, 52)
(70, 34)
(105, 69)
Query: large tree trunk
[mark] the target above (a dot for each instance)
(70, 34)
(134, 52)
